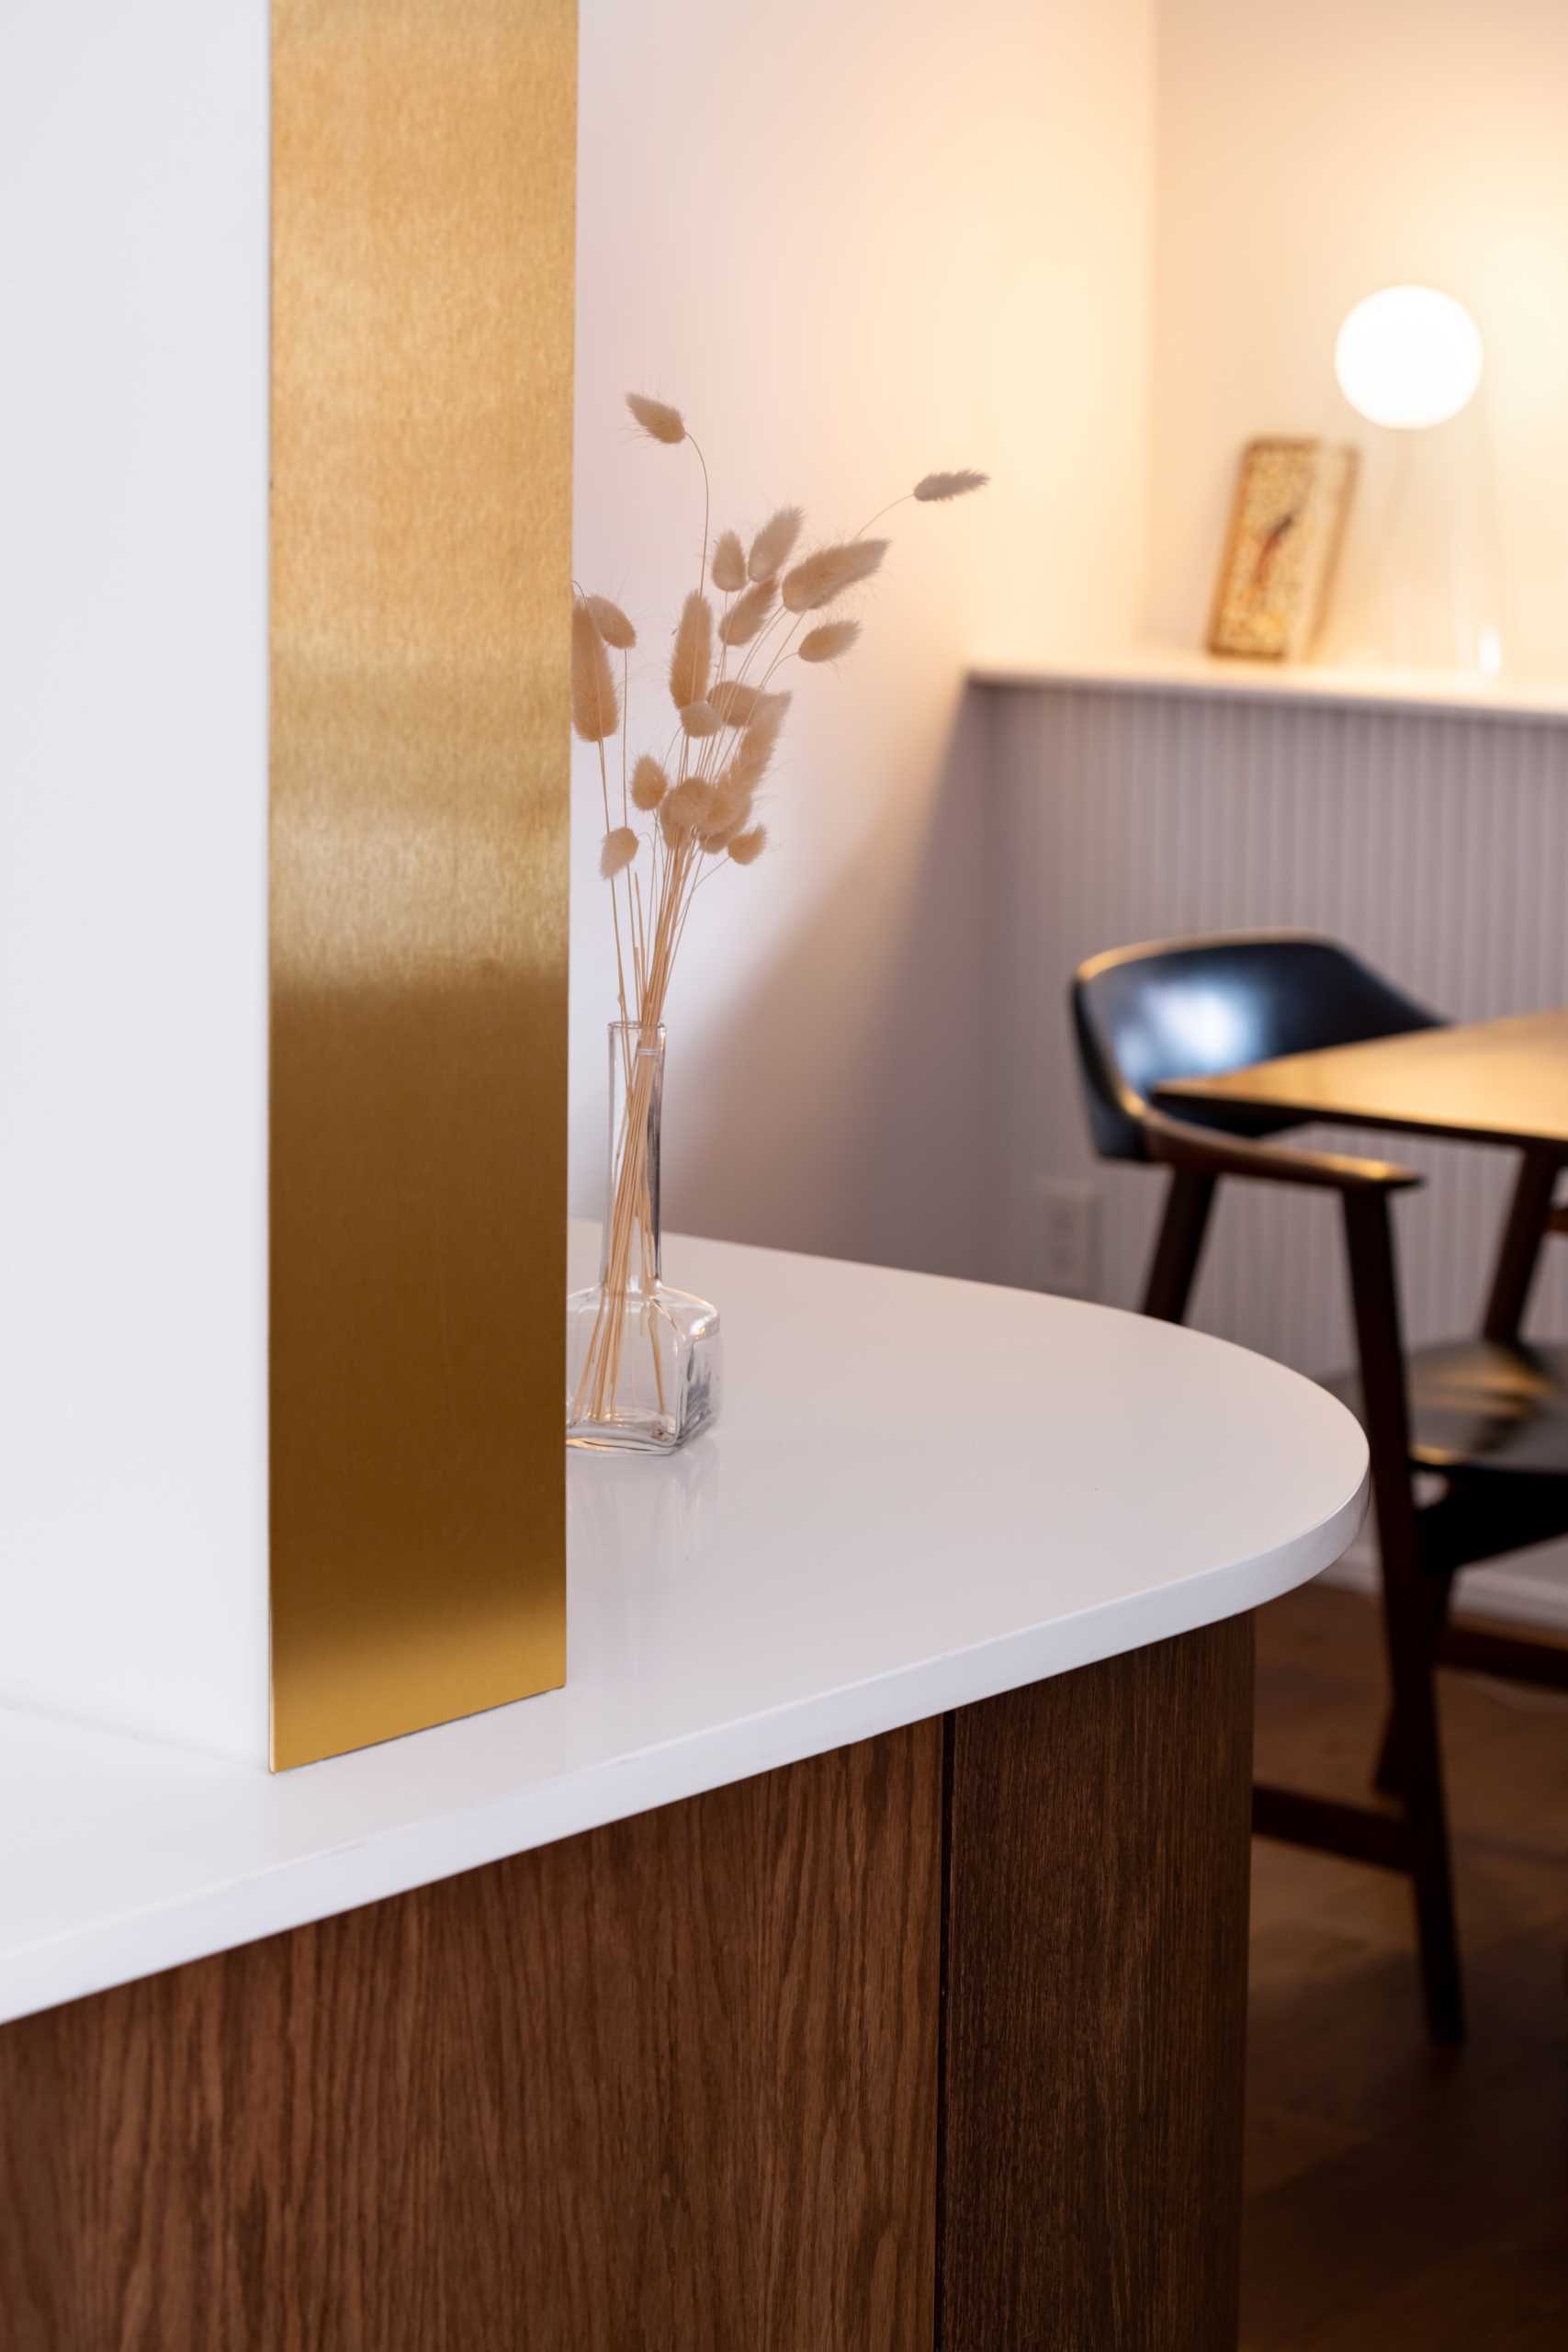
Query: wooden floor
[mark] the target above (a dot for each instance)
(1402, 2200)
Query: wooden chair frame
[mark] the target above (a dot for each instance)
(1422, 1549)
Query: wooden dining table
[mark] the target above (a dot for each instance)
(1502, 1083)
(1479, 1082)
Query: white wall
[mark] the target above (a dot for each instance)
(1306, 158)
(853, 243)
(133, 865)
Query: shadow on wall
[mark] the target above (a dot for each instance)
(861, 1140)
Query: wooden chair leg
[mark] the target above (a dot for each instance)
(1180, 1244)
(1406, 1610)
(1470, 1524)
(1440, 1592)
(1520, 1250)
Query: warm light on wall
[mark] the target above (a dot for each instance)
(1423, 579)
(1409, 357)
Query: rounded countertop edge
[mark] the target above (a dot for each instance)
(395, 1859)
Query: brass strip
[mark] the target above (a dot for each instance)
(423, 169)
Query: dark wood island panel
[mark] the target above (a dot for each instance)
(685, 2083)
(1097, 2004)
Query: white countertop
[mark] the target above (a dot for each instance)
(920, 1493)
(1162, 668)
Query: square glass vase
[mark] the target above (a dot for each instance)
(644, 1362)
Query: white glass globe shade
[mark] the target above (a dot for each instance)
(1408, 356)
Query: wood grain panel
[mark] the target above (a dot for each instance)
(668, 2085)
(1096, 2006)
(423, 170)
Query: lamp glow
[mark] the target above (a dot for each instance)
(1408, 356)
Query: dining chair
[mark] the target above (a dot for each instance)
(1488, 1417)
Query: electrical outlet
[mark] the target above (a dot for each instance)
(1068, 1237)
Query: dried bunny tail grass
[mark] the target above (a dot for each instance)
(612, 624)
(829, 571)
(691, 664)
(735, 702)
(690, 802)
(747, 848)
(827, 641)
(957, 485)
(687, 806)
(594, 710)
(728, 569)
(748, 613)
(650, 783)
(730, 806)
(771, 546)
(700, 719)
(657, 418)
(620, 850)
(750, 763)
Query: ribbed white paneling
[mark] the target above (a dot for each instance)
(1434, 844)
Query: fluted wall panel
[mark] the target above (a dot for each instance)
(1434, 844)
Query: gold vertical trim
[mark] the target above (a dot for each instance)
(424, 162)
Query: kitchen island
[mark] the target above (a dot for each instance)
(855, 1947)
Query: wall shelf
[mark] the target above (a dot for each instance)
(1171, 671)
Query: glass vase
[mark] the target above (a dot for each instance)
(642, 1360)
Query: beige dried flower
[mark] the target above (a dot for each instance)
(657, 418)
(829, 640)
(612, 624)
(730, 806)
(594, 710)
(619, 849)
(957, 485)
(650, 783)
(748, 613)
(729, 569)
(706, 809)
(691, 665)
(829, 571)
(751, 764)
(687, 806)
(735, 702)
(771, 546)
(756, 749)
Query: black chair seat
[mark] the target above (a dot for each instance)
(1478, 1409)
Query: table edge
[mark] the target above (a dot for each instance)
(1223, 1089)
(1184, 1093)
(124, 1947)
